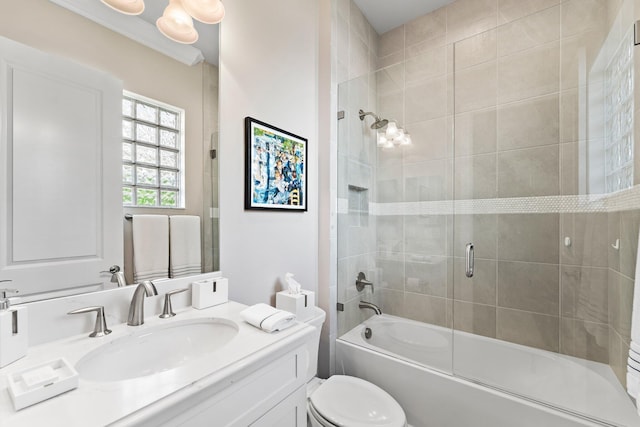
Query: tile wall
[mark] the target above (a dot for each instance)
(524, 79)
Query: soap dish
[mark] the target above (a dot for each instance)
(41, 382)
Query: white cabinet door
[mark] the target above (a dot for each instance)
(291, 412)
(60, 171)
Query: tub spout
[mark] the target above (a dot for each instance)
(372, 306)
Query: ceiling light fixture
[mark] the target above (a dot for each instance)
(205, 11)
(128, 7)
(176, 22)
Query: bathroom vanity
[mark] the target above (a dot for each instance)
(247, 377)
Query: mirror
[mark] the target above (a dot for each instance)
(50, 28)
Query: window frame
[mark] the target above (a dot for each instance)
(179, 149)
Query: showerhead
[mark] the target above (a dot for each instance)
(378, 123)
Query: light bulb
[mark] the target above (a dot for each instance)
(176, 24)
(128, 7)
(392, 130)
(397, 140)
(382, 139)
(206, 11)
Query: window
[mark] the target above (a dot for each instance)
(152, 153)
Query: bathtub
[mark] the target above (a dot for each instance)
(496, 383)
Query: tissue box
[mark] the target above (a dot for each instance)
(301, 304)
(210, 292)
(41, 382)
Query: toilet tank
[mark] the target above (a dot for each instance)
(312, 346)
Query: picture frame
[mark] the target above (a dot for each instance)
(275, 168)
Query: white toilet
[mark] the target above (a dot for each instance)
(344, 401)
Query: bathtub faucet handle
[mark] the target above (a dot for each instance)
(362, 281)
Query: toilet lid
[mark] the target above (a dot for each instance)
(350, 401)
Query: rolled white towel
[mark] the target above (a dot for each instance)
(267, 318)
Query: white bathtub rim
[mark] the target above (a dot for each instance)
(589, 422)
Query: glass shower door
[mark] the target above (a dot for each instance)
(531, 317)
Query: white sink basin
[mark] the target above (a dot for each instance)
(156, 349)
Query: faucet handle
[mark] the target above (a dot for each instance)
(167, 311)
(4, 301)
(100, 329)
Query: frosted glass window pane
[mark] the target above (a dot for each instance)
(168, 119)
(147, 176)
(146, 133)
(168, 198)
(127, 129)
(145, 197)
(168, 138)
(127, 174)
(146, 155)
(168, 179)
(168, 159)
(127, 107)
(127, 195)
(147, 113)
(127, 151)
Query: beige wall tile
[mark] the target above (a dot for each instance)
(429, 27)
(389, 233)
(585, 293)
(389, 273)
(425, 308)
(359, 23)
(534, 330)
(629, 226)
(426, 100)
(391, 42)
(578, 54)
(476, 132)
(479, 289)
(481, 230)
(426, 275)
(475, 87)
(425, 234)
(613, 231)
(474, 318)
(528, 286)
(620, 304)
(586, 340)
(388, 60)
(579, 16)
(429, 64)
(529, 172)
(531, 31)
(428, 181)
(391, 106)
(589, 241)
(618, 356)
(569, 167)
(529, 237)
(533, 72)
(431, 141)
(390, 80)
(392, 302)
(530, 123)
(475, 177)
(475, 50)
(570, 103)
(510, 10)
(358, 56)
(466, 18)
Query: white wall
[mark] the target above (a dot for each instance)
(268, 70)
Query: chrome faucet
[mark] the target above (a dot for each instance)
(136, 309)
(372, 306)
(117, 275)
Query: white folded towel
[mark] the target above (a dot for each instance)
(150, 247)
(184, 245)
(267, 318)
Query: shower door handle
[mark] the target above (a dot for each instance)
(469, 260)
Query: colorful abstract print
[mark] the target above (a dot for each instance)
(277, 170)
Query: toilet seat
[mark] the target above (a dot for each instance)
(345, 401)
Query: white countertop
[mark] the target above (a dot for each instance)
(124, 402)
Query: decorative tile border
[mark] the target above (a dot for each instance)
(619, 201)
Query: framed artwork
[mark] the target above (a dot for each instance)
(275, 168)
